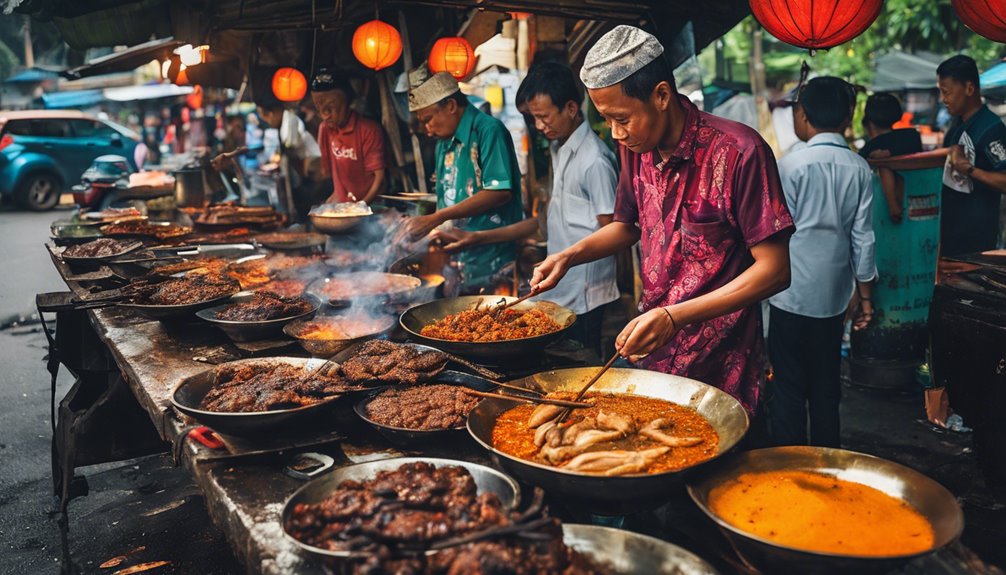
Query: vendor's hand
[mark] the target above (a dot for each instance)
(896, 214)
(219, 161)
(645, 334)
(863, 314)
(548, 273)
(417, 227)
(454, 239)
(959, 160)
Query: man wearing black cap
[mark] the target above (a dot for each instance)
(352, 147)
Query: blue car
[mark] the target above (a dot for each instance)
(44, 152)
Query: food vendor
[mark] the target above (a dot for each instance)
(298, 148)
(477, 178)
(581, 202)
(702, 197)
(352, 147)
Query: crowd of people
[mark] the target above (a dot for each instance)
(720, 224)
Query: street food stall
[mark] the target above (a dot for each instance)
(343, 410)
(199, 338)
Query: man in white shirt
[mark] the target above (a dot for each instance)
(581, 202)
(298, 150)
(829, 192)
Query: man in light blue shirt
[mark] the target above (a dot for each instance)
(829, 192)
(581, 202)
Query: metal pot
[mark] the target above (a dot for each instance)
(628, 553)
(620, 495)
(417, 317)
(337, 224)
(190, 188)
(926, 496)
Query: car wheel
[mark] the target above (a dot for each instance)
(40, 192)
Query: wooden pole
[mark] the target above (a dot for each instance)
(390, 119)
(417, 152)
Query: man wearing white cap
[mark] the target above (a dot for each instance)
(702, 196)
(478, 180)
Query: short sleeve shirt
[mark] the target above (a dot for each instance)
(480, 156)
(899, 142)
(354, 153)
(970, 222)
(699, 212)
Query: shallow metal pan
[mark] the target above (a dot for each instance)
(253, 330)
(191, 391)
(486, 479)
(926, 496)
(417, 317)
(629, 553)
(625, 494)
(418, 437)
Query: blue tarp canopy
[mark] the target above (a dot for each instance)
(32, 75)
(994, 78)
(72, 99)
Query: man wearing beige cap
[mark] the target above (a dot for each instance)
(477, 178)
(702, 197)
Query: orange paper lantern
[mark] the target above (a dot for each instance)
(816, 24)
(377, 45)
(289, 85)
(985, 17)
(452, 55)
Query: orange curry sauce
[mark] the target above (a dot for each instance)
(512, 436)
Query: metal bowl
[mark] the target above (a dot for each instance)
(330, 347)
(928, 497)
(338, 224)
(629, 553)
(255, 329)
(191, 391)
(486, 479)
(163, 312)
(419, 437)
(417, 317)
(403, 290)
(625, 494)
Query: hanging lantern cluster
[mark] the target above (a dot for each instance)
(816, 24)
(377, 45)
(452, 55)
(289, 85)
(985, 17)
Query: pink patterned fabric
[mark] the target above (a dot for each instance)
(699, 212)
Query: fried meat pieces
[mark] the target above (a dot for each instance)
(383, 362)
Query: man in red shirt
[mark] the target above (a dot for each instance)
(352, 147)
(702, 197)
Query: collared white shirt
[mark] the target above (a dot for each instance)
(295, 137)
(583, 187)
(829, 191)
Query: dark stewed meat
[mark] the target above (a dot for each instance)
(380, 361)
(422, 407)
(268, 387)
(265, 306)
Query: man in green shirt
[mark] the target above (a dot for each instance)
(477, 178)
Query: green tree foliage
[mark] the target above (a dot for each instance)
(909, 25)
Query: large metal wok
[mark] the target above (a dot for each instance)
(486, 479)
(417, 317)
(625, 494)
(252, 330)
(928, 497)
(191, 391)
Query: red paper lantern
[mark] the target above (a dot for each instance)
(816, 24)
(377, 45)
(985, 17)
(289, 85)
(452, 55)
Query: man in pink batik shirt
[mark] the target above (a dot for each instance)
(702, 196)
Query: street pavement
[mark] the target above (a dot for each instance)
(142, 511)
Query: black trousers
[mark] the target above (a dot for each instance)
(587, 330)
(806, 358)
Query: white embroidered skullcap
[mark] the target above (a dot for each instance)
(617, 55)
